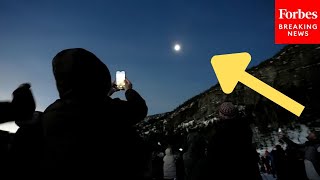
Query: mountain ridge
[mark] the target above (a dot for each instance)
(294, 71)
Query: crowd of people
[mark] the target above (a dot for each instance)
(85, 133)
(88, 134)
(297, 161)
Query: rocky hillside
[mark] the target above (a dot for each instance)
(295, 71)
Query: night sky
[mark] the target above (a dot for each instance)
(137, 36)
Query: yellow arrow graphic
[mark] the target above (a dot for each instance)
(230, 69)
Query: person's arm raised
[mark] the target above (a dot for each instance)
(134, 109)
(137, 106)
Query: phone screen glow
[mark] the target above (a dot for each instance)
(120, 77)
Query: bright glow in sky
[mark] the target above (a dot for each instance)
(177, 47)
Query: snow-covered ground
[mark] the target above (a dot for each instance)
(267, 177)
(297, 135)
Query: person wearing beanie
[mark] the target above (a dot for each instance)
(230, 151)
(87, 133)
(227, 111)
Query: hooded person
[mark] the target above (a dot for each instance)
(169, 165)
(233, 136)
(86, 131)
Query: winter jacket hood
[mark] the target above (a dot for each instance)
(80, 74)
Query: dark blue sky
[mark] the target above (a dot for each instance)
(133, 35)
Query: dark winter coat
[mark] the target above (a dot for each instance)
(27, 149)
(194, 154)
(233, 139)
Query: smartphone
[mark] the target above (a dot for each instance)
(120, 79)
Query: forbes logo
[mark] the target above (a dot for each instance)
(299, 14)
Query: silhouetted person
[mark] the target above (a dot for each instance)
(232, 133)
(24, 158)
(27, 148)
(147, 158)
(22, 106)
(267, 162)
(273, 171)
(263, 167)
(280, 162)
(27, 145)
(311, 154)
(194, 155)
(180, 166)
(157, 165)
(87, 133)
(295, 164)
